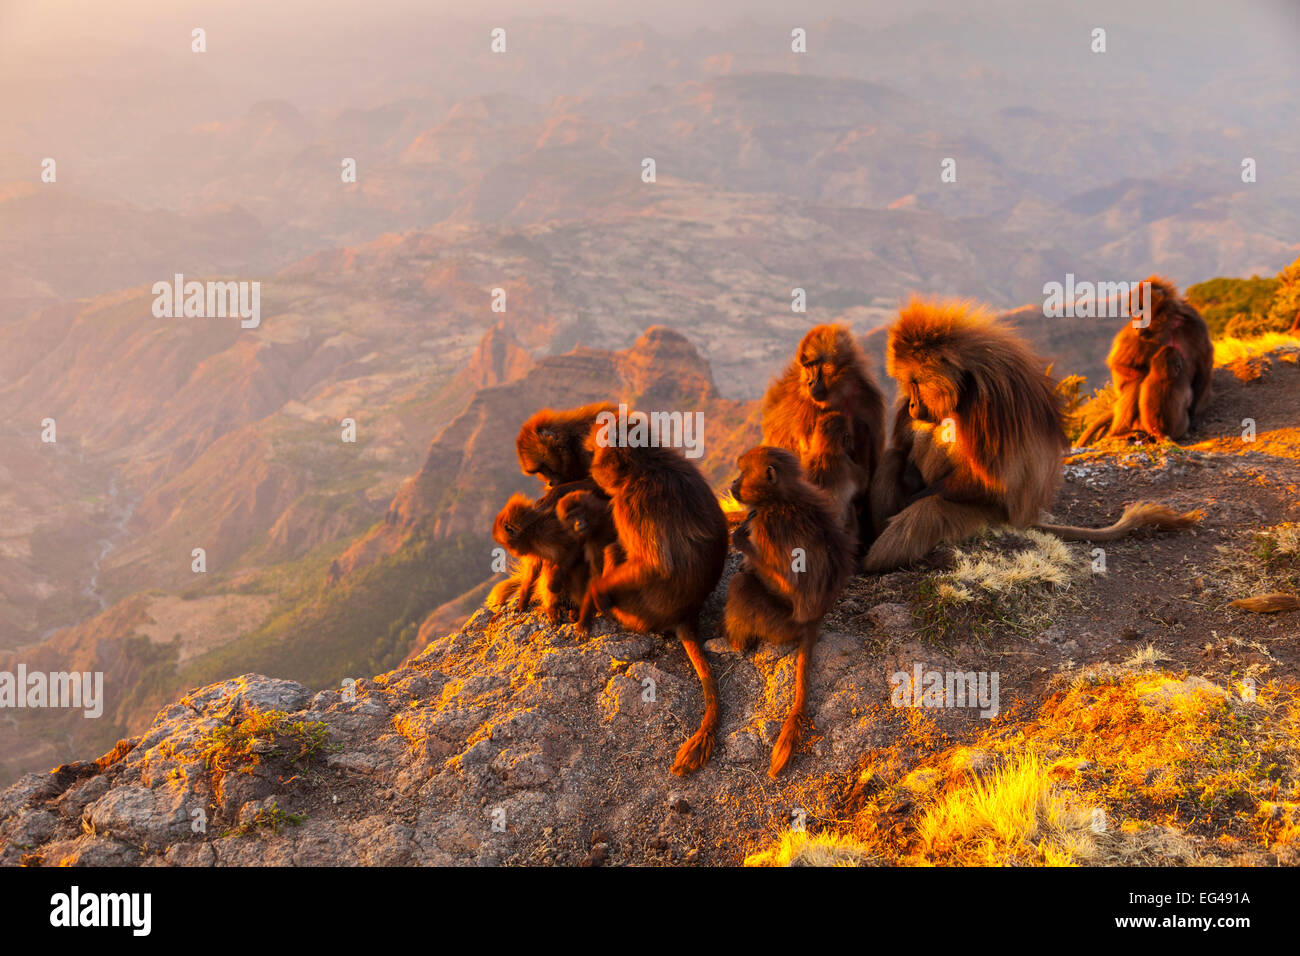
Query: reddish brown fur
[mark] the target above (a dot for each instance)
(553, 444)
(768, 599)
(528, 574)
(977, 439)
(674, 536)
(1166, 397)
(1173, 323)
(527, 571)
(588, 518)
(531, 530)
(828, 410)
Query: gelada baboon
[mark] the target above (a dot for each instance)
(551, 565)
(1148, 399)
(553, 444)
(548, 552)
(1167, 395)
(588, 518)
(674, 539)
(977, 439)
(827, 409)
(797, 558)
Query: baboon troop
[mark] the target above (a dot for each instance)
(978, 439)
(975, 441)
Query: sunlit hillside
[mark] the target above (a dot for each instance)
(269, 532)
(1141, 716)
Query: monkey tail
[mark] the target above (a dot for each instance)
(1269, 603)
(1143, 514)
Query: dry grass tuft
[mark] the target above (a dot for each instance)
(1010, 581)
(1123, 765)
(1146, 659)
(1048, 562)
(811, 849)
(1016, 814)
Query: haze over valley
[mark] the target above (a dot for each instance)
(522, 171)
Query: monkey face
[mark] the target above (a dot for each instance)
(544, 456)
(545, 472)
(821, 373)
(764, 470)
(512, 523)
(915, 406)
(821, 355)
(550, 442)
(817, 375)
(931, 400)
(576, 510)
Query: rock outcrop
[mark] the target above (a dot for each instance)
(511, 740)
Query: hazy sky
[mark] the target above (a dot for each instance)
(25, 24)
(297, 48)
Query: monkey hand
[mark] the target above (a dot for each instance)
(740, 539)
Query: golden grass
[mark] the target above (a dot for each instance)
(810, 849)
(243, 743)
(1015, 814)
(1230, 350)
(1124, 764)
(1281, 820)
(733, 509)
(950, 593)
(1148, 657)
(1282, 540)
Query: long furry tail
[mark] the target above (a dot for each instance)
(1143, 514)
(1269, 603)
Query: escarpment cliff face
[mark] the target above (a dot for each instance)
(472, 467)
(510, 740)
(313, 584)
